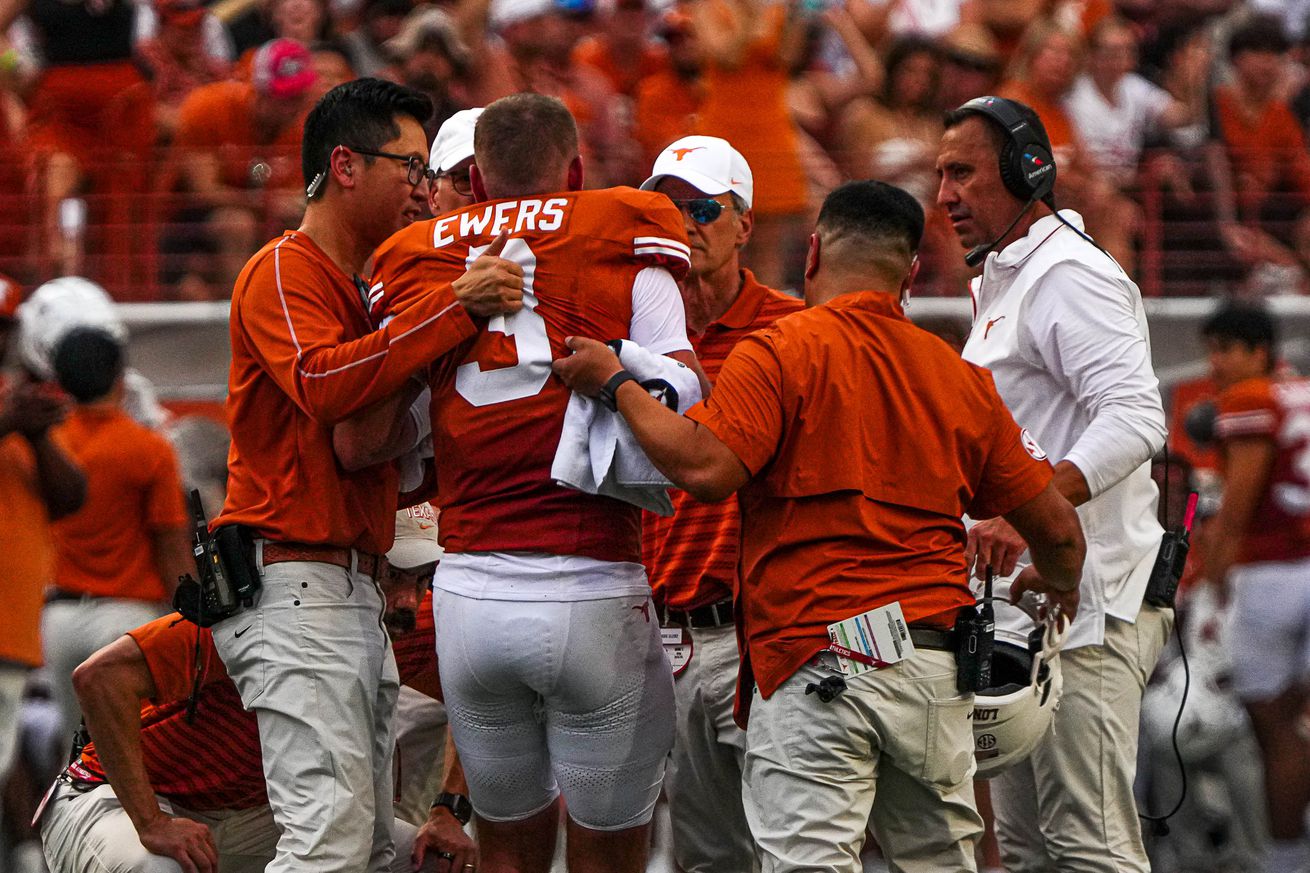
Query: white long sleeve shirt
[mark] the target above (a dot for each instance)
(1062, 329)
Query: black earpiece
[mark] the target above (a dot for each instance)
(1026, 163)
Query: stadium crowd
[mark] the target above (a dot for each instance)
(152, 146)
(157, 148)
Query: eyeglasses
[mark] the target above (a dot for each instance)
(702, 210)
(461, 182)
(418, 168)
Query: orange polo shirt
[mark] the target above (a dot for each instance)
(867, 439)
(133, 490)
(691, 556)
(304, 357)
(28, 551)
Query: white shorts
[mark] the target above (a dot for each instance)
(547, 698)
(1270, 630)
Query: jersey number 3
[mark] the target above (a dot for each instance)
(484, 387)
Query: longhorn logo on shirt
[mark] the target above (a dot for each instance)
(1031, 446)
(990, 322)
(679, 154)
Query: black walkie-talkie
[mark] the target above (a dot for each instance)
(1171, 560)
(211, 597)
(975, 631)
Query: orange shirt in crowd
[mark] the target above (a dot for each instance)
(1056, 121)
(28, 551)
(747, 106)
(691, 556)
(304, 357)
(1267, 150)
(665, 110)
(867, 439)
(594, 52)
(214, 763)
(221, 118)
(133, 490)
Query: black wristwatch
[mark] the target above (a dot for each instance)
(609, 391)
(458, 805)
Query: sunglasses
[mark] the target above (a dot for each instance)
(702, 210)
(461, 182)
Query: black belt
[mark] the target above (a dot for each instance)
(711, 615)
(932, 638)
(60, 595)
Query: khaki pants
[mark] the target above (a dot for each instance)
(89, 832)
(313, 662)
(896, 743)
(710, 833)
(420, 754)
(1070, 806)
(73, 630)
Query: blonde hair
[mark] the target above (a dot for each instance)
(1034, 39)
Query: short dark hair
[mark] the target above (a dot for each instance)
(900, 53)
(999, 135)
(360, 113)
(88, 361)
(872, 224)
(1259, 33)
(521, 142)
(1247, 323)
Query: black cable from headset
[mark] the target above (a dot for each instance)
(1102, 250)
(1160, 823)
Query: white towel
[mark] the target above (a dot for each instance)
(597, 452)
(411, 462)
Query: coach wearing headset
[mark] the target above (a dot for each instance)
(1062, 329)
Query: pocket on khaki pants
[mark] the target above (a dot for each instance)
(948, 742)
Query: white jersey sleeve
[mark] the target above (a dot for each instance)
(659, 319)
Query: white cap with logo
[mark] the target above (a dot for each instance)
(454, 141)
(416, 538)
(707, 163)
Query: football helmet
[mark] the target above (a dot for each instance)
(1013, 712)
(56, 308)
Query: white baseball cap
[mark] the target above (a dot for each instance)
(454, 141)
(416, 538)
(707, 163)
(503, 13)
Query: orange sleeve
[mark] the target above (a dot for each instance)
(169, 647)
(659, 236)
(287, 318)
(1013, 473)
(745, 410)
(1246, 410)
(164, 504)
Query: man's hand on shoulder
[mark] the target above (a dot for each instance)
(492, 285)
(591, 365)
(187, 842)
(993, 543)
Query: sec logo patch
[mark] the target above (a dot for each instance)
(1030, 445)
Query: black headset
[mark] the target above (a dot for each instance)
(1027, 165)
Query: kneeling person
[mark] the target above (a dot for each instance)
(174, 782)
